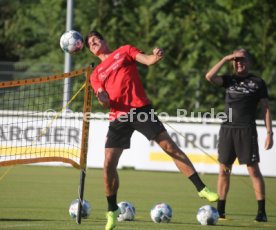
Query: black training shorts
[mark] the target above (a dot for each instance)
(141, 119)
(238, 142)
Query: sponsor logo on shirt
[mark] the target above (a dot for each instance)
(113, 66)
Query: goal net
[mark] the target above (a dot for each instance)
(36, 126)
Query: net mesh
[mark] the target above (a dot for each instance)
(35, 126)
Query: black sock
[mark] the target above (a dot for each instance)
(112, 202)
(197, 182)
(221, 208)
(261, 206)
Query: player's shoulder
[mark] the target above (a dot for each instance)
(125, 47)
(130, 50)
(255, 78)
(128, 47)
(227, 78)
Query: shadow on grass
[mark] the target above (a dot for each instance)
(22, 220)
(225, 224)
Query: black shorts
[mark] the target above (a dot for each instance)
(141, 119)
(238, 142)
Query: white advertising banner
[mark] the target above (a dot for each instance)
(198, 141)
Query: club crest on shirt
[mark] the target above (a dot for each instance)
(244, 87)
(117, 56)
(252, 85)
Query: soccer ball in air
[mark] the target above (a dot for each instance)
(127, 211)
(73, 209)
(207, 215)
(161, 213)
(71, 41)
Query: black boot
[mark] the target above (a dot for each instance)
(261, 217)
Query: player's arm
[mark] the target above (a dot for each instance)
(150, 59)
(103, 97)
(99, 90)
(212, 76)
(268, 123)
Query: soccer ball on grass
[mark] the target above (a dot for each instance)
(207, 215)
(73, 209)
(161, 213)
(127, 211)
(71, 41)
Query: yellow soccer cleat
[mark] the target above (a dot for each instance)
(112, 219)
(209, 195)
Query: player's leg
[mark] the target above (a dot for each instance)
(259, 188)
(257, 180)
(146, 122)
(111, 184)
(111, 178)
(247, 143)
(181, 160)
(184, 164)
(223, 185)
(226, 158)
(118, 139)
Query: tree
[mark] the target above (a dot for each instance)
(194, 35)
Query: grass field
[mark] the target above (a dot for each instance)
(38, 197)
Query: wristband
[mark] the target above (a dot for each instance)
(270, 133)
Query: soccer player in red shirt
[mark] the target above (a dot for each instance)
(117, 85)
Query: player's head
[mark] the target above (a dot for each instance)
(95, 42)
(241, 61)
(93, 33)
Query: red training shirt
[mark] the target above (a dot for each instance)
(119, 77)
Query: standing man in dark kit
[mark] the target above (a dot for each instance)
(238, 137)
